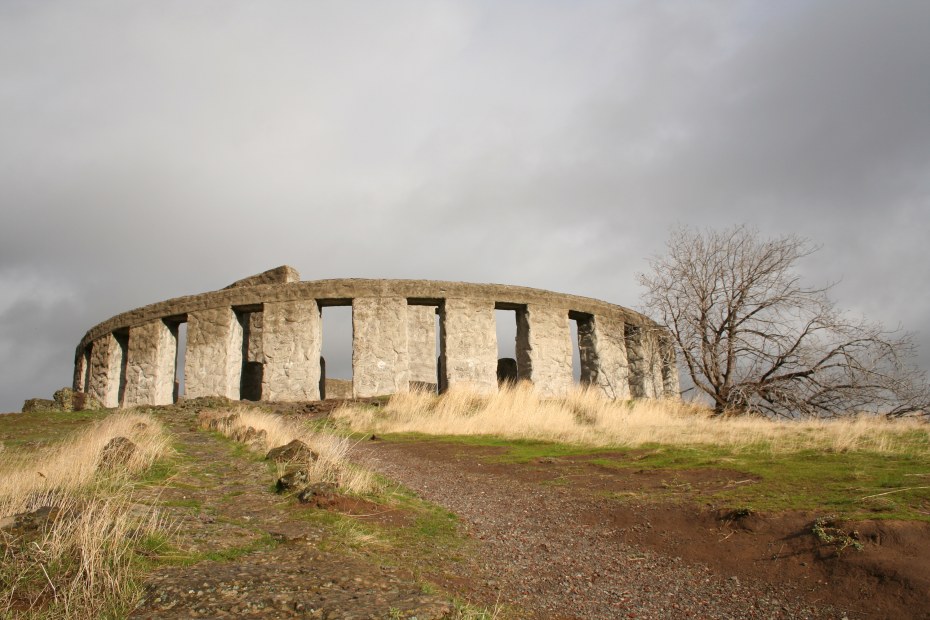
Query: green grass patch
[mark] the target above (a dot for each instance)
(851, 485)
(44, 427)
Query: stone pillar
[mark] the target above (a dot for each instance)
(544, 349)
(642, 345)
(421, 344)
(106, 361)
(380, 363)
(670, 381)
(81, 364)
(603, 353)
(213, 360)
(469, 344)
(291, 342)
(150, 370)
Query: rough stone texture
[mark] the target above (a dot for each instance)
(279, 275)
(116, 453)
(106, 360)
(81, 365)
(645, 362)
(291, 341)
(471, 352)
(254, 352)
(213, 362)
(469, 344)
(421, 343)
(544, 349)
(64, 399)
(423, 291)
(603, 353)
(150, 369)
(380, 364)
(670, 381)
(40, 404)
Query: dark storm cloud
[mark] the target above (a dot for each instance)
(158, 149)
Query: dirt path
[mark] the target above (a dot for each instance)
(558, 549)
(262, 558)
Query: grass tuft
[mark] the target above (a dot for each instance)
(331, 466)
(74, 537)
(583, 417)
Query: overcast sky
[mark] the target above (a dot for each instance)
(156, 149)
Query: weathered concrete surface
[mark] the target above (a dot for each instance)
(670, 381)
(347, 289)
(380, 363)
(81, 365)
(106, 360)
(469, 355)
(603, 353)
(279, 275)
(213, 361)
(150, 368)
(469, 344)
(544, 349)
(291, 342)
(421, 343)
(646, 379)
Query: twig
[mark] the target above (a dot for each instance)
(54, 591)
(895, 491)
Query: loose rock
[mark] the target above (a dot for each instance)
(294, 451)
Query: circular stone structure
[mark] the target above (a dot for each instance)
(260, 339)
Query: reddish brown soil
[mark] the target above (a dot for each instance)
(668, 513)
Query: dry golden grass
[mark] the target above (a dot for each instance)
(584, 417)
(28, 478)
(331, 466)
(81, 562)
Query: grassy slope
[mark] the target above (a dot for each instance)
(835, 482)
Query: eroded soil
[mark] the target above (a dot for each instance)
(571, 538)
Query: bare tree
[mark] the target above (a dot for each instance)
(754, 339)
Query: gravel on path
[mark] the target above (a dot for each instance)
(545, 556)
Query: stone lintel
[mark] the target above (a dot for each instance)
(380, 362)
(213, 361)
(469, 344)
(150, 369)
(291, 344)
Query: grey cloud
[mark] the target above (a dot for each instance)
(155, 150)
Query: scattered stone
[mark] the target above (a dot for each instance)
(29, 523)
(64, 399)
(118, 451)
(318, 494)
(39, 404)
(296, 450)
(291, 481)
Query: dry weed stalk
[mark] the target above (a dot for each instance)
(331, 466)
(77, 557)
(584, 417)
